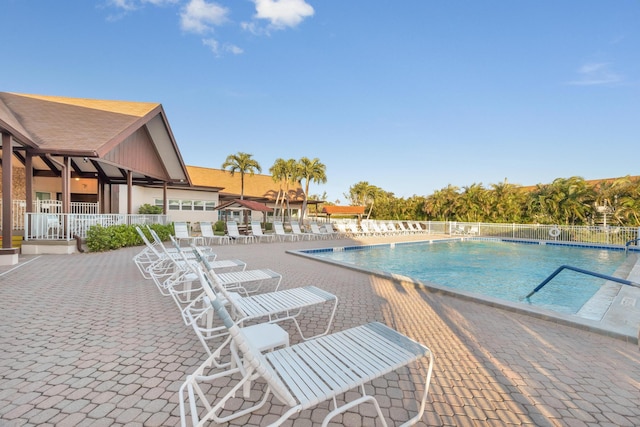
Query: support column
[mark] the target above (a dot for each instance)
(129, 192)
(7, 190)
(66, 185)
(8, 254)
(28, 172)
(165, 205)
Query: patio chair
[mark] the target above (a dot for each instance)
(416, 227)
(172, 275)
(235, 236)
(316, 231)
(152, 258)
(181, 230)
(295, 229)
(331, 232)
(283, 235)
(354, 231)
(391, 227)
(256, 230)
(366, 230)
(302, 375)
(206, 228)
(402, 229)
(273, 307)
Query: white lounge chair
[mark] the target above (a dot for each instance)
(316, 231)
(151, 260)
(182, 234)
(416, 227)
(303, 375)
(366, 229)
(177, 277)
(354, 230)
(295, 229)
(331, 232)
(256, 230)
(283, 235)
(402, 229)
(206, 228)
(234, 233)
(273, 307)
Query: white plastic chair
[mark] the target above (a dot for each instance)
(283, 235)
(235, 236)
(295, 229)
(182, 233)
(206, 229)
(256, 230)
(271, 307)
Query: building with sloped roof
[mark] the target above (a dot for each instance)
(118, 155)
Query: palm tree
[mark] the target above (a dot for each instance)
(286, 173)
(243, 163)
(362, 194)
(443, 204)
(310, 170)
(278, 174)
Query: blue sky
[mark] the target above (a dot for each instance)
(410, 96)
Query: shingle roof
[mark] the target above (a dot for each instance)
(343, 210)
(256, 185)
(70, 124)
(114, 135)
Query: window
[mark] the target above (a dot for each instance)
(188, 205)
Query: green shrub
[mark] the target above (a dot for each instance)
(148, 209)
(219, 226)
(101, 239)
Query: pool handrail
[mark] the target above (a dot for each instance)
(580, 270)
(626, 245)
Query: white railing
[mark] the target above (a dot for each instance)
(19, 209)
(57, 226)
(562, 233)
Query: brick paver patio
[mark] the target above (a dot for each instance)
(87, 341)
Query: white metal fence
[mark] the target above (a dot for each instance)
(609, 235)
(19, 209)
(57, 226)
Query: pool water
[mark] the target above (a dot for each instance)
(504, 270)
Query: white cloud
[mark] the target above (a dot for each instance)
(218, 49)
(200, 17)
(596, 73)
(129, 5)
(283, 13)
(160, 2)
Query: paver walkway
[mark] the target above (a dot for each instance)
(86, 341)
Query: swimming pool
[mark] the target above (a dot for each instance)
(491, 267)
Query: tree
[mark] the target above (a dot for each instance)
(363, 194)
(243, 163)
(285, 172)
(278, 173)
(310, 171)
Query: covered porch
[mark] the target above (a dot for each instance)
(76, 161)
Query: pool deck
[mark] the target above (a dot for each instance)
(87, 341)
